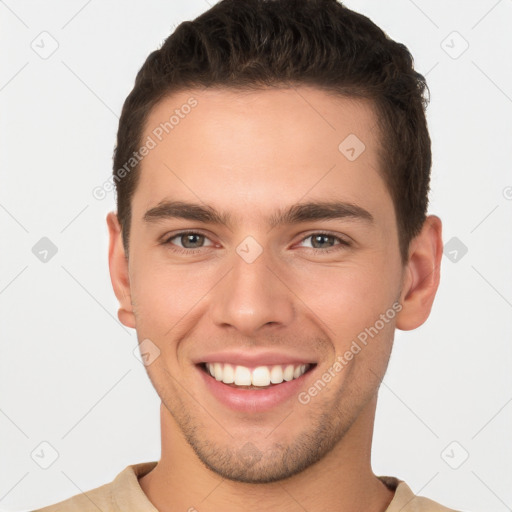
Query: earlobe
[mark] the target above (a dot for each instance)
(421, 275)
(119, 275)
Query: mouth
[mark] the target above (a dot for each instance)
(255, 389)
(260, 377)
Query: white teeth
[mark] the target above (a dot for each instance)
(217, 368)
(242, 376)
(288, 372)
(228, 374)
(276, 375)
(260, 376)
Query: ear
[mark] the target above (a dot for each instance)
(421, 275)
(118, 265)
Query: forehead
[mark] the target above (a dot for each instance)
(260, 149)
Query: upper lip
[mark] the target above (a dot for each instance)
(254, 359)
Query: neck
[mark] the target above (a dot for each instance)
(342, 481)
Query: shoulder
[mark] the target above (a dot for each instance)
(406, 501)
(122, 494)
(90, 501)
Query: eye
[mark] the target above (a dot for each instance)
(187, 241)
(190, 242)
(319, 241)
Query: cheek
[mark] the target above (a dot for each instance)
(163, 294)
(348, 299)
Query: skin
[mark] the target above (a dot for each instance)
(250, 154)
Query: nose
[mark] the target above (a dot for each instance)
(252, 296)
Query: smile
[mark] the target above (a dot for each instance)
(255, 389)
(251, 378)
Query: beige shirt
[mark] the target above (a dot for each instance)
(125, 494)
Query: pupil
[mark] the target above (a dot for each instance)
(190, 238)
(318, 238)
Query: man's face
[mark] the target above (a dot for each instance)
(254, 293)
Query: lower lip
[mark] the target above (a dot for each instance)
(254, 400)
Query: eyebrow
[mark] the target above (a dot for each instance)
(294, 214)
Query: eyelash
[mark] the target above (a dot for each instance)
(343, 243)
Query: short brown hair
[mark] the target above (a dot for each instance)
(254, 44)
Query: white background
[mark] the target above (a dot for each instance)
(68, 375)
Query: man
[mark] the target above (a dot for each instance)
(272, 171)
